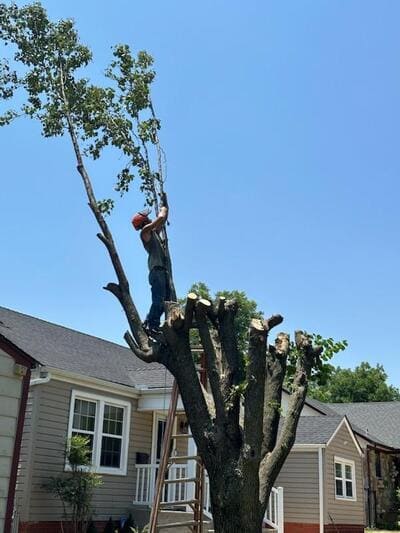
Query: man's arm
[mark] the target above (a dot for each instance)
(158, 223)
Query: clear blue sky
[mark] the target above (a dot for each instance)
(280, 120)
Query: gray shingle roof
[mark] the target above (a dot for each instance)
(316, 429)
(379, 420)
(66, 349)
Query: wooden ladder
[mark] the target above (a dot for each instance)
(196, 504)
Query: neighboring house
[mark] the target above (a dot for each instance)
(15, 371)
(93, 387)
(379, 423)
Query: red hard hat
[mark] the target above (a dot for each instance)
(139, 218)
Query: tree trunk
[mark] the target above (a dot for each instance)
(228, 501)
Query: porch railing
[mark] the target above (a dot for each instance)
(175, 492)
(274, 514)
(146, 476)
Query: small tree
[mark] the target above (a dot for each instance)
(75, 489)
(364, 383)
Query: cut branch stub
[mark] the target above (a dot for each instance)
(114, 289)
(149, 356)
(302, 340)
(221, 306)
(175, 318)
(257, 331)
(189, 309)
(272, 321)
(282, 343)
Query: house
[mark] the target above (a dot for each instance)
(15, 371)
(86, 385)
(378, 425)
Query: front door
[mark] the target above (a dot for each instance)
(159, 423)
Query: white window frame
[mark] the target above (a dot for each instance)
(98, 430)
(344, 462)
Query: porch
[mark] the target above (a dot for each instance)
(185, 470)
(176, 491)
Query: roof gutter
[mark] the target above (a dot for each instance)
(58, 374)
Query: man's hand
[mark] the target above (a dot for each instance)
(164, 200)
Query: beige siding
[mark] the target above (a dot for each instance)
(26, 452)
(343, 511)
(115, 495)
(299, 479)
(10, 395)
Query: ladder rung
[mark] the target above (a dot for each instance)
(181, 480)
(177, 524)
(182, 436)
(181, 502)
(175, 458)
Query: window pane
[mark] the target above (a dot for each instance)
(348, 472)
(110, 452)
(89, 437)
(339, 488)
(349, 489)
(338, 470)
(113, 418)
(84, 415)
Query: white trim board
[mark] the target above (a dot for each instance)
(92, 383)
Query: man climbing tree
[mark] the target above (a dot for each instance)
(236, 428)
(150, 234)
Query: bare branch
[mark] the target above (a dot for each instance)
(273, 461)
(202, 308)
(233, 364)
(254, 393)
(274, 376)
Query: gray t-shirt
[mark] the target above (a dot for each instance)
(155, 249)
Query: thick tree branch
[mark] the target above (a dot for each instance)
(273, 461)
(124, 295)
(182, 366)
(274, 376)
(201, 311)
(233, 364)
(254, 393)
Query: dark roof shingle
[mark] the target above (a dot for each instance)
(379, 420)
(66, 349)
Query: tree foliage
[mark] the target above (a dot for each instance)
(46, 64)
(75, 489)
(363, 384)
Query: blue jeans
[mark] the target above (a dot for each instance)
(158, 279)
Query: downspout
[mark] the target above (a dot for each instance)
(16, 452)
(44, 377)
(370, 524)
(321, 490)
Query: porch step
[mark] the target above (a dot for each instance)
(181, 480)
(177, 524)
